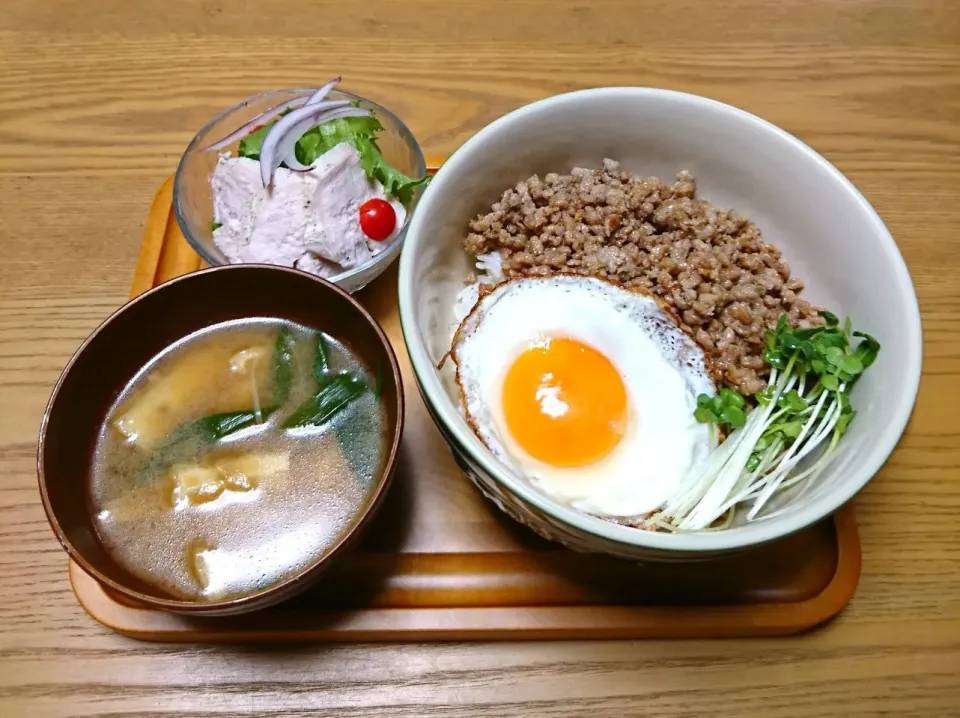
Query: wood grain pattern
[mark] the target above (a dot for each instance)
(98, 99)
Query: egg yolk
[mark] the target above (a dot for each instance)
(564, 403)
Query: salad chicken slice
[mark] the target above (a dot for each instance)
(309, 188)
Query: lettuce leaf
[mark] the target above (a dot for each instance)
(358, 131)
(395, 183)
(251, 144)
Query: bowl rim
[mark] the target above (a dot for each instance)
(456, 430)
(277, 591)
(385, 255)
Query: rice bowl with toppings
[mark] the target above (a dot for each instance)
(727, 289)
(800, 416)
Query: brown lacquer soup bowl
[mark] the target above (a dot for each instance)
(116, 352)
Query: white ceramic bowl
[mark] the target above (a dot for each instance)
(829, 234)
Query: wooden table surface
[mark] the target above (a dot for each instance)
(98, 99)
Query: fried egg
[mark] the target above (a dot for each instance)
(586, 389)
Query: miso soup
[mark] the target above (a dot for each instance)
(236, 458)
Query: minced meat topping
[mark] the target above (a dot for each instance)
(725, 283)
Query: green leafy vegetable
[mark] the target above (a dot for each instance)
(328, 135)
(867, 350)
(251, 144)
(806, 406)
(335, 392)
(214, 225)
(283, 365)
(358, 131)
(733, 416)
(321, 362)
(184, 441)
(378, 387)
(215, 427)
(395, 183)
(726, 407)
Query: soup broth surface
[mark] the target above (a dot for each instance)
(237, 457)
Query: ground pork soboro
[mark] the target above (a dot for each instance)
(726, 284)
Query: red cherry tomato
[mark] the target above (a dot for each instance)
(377, 219)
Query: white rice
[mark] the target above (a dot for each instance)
(489, 271)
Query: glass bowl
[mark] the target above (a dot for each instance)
(193, 196)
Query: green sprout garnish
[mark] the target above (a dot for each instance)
(726, 407)
(805, 406)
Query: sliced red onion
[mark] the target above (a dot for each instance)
(292, 163)
(323, 91)
(291, 160)
(282, 137)
(276, 146)
(261, 119)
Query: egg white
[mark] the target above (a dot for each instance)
(663, 372)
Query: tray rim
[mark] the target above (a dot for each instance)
(488, 623)
(501, 623)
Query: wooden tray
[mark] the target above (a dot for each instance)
(441, 563)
